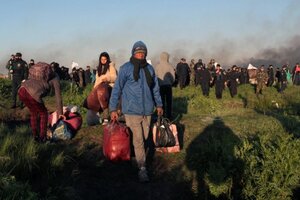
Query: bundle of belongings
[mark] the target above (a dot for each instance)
(165, 136)
(96, 102)
(66, 128)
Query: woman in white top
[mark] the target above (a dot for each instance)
(106, 72)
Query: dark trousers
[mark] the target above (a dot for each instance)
(16, 82)
(182, 81)
(219, 90)
(205, 88)
(283, 85)
(197, 78)
(233, 89)
(167, 99)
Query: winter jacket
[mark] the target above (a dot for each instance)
(110, 76)
(136, 96)
(165, 71)
(39, 89)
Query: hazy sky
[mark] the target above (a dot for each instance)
(231, 31)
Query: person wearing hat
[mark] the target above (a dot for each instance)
(19, 72)
(137, 86)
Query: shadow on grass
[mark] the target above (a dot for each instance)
(211, 156)
(290, 122)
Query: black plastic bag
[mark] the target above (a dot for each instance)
(164, 136)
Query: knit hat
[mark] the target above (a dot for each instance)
(139, 47)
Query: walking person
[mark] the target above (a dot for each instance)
(282, 79)
(9, 66)
(296, 74)
(137, 86)
(106, 72)
(182, 70)
(205, 77)
(19, 73)
(233, 80)
(197, 69)
(262, 78)
(271, 76)
(166, 76)
(219, 81)
(87, 75)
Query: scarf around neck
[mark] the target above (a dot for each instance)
(138, 64)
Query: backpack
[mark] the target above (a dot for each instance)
(61, 131)
(41, 71)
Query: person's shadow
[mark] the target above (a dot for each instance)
(211, 156)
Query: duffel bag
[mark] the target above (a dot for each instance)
(116, 141)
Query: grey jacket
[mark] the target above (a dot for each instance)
(165, 71)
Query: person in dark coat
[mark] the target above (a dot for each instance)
(197, 69)
(282, 79)
(182, 70)
(31, 63)
(233, 77)
(205, 77)
(87, 75)
(271, 76)
(9, 66)
(219, 81)
(19, 72)
(244, 76)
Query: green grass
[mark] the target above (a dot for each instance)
(245, 147)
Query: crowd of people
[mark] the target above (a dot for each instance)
(212, 74)
(137, 89)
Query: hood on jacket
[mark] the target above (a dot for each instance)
(164, 57)
(139, 46)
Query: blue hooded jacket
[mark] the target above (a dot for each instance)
(136, 96)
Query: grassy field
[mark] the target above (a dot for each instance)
(246, 147)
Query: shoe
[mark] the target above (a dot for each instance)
(143, 175)
(105, 122)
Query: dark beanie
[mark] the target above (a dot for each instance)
(138, 47)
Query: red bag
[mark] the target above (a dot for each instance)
(98, 98)
(74, 120)
(116, 142)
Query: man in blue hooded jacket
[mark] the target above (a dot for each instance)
(137, 88)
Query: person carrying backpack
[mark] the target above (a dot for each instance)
(41, 79)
